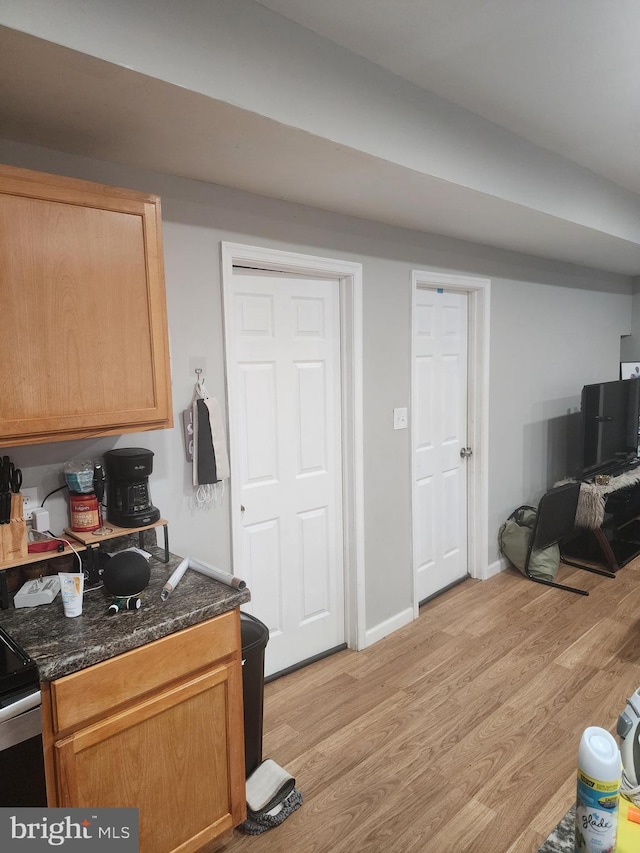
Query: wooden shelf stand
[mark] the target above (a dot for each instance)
(88, 543)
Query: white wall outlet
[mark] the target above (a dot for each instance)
(400, 418)
(29, 502)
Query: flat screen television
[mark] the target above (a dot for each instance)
(610, 416)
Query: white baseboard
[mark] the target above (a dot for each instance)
(379, 632)
(387, 627)
(495, 568)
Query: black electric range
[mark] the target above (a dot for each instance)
(22, 780)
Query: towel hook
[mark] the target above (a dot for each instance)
(200, 390)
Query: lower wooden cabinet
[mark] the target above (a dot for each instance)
(175, 753)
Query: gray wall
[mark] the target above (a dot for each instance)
(630, 347)
(553, 328)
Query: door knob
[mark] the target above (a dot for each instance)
(465, 452)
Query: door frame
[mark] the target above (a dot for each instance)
(479, 292)
(349, 276)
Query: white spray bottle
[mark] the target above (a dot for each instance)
(599, 772)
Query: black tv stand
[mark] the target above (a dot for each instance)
(615, 541)
(613, 470)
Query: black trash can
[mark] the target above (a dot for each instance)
(255, 636)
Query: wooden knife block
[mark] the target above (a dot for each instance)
(13, 541)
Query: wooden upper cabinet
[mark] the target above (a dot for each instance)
(84, 345)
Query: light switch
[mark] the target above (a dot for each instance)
(400, 418)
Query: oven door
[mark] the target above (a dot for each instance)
(22, 781)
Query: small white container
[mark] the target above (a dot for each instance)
(598, 791)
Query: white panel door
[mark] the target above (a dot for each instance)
(439, 434)
(285, 419)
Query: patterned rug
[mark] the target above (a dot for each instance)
(562, 837)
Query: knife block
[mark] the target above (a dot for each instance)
(13, 541)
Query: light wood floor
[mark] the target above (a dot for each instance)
(459, 732)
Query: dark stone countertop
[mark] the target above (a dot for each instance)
(561, 839)
(61, 645)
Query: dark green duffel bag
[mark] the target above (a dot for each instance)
(514, 537)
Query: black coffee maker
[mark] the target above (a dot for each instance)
(128, 497)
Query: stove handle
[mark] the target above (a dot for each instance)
(33, 700)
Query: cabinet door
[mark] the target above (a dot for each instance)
(84, 333)
(178, 757)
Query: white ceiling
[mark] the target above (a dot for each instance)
(564, 74)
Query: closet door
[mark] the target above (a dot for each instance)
(439, 435)
(283, 369)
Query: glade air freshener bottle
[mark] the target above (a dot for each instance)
(598, 791)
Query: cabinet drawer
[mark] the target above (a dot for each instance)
(104, 687)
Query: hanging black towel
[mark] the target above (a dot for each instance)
(206, 455)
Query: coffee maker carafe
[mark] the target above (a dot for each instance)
(128, 496)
